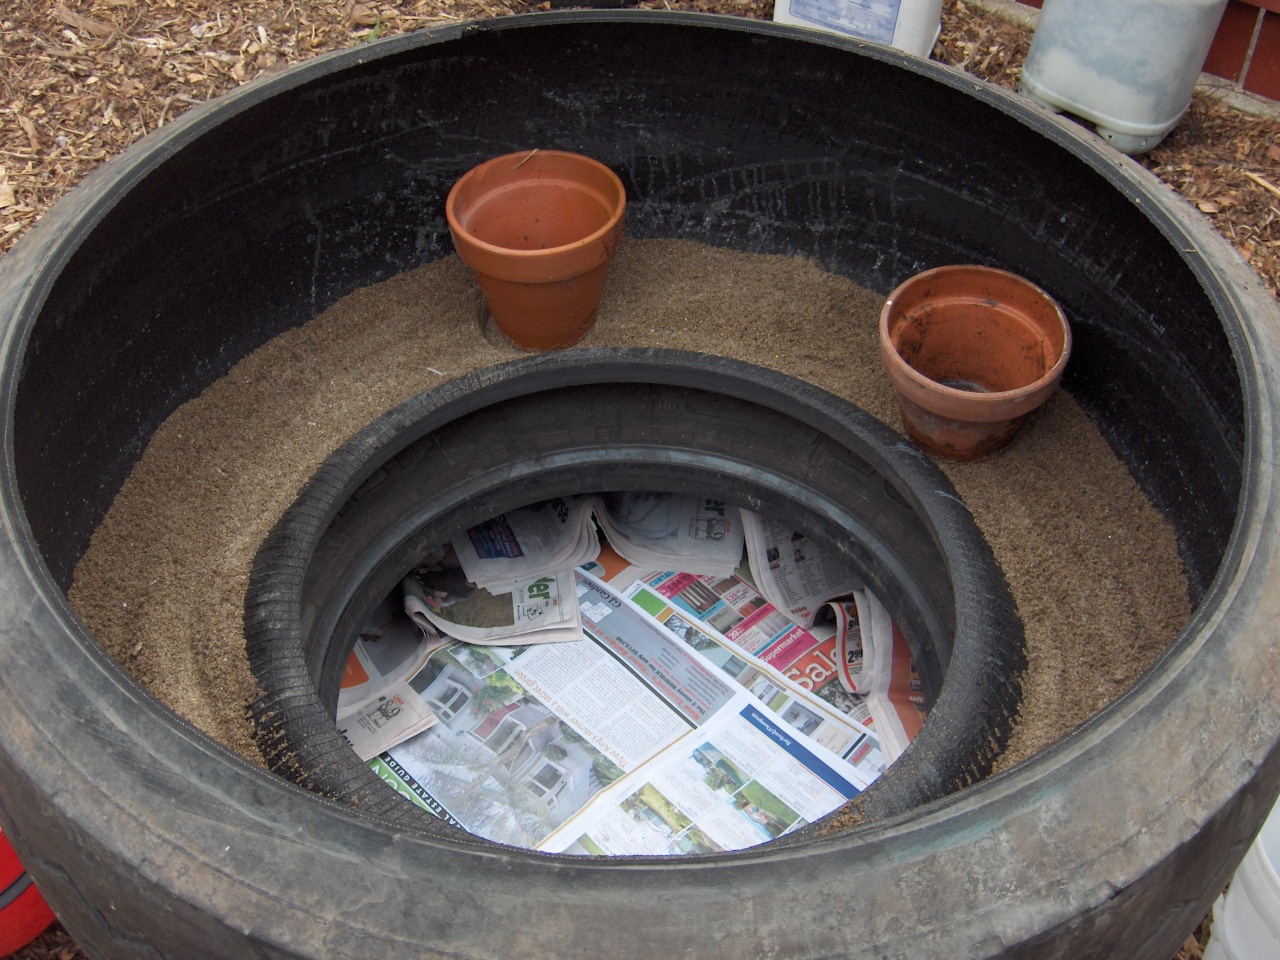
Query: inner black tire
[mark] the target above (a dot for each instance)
(596, 420)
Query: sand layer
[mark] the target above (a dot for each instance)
(1093, 567)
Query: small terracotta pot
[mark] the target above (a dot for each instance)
(971, 350)
(538, 229)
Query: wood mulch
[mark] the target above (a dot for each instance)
(81, 80)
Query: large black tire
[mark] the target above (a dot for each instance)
(245, 218)
(588, 421)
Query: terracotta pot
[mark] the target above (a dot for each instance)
(971, 350)
(537, 229)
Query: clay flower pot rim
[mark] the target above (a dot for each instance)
(521, 156)
(904, 369)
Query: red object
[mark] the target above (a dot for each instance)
(23, 913)
(1264, 67)
(1231, 43)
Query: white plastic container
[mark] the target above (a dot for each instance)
(1246, 920)
(910, 25)
(1128, 66)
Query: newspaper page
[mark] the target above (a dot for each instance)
(796, 574)
(385, 721)
(735, 609)
(741, 779)
(389, 651)
(790, 669)
(863, 662)
(815, 670)
(527, 544)
(905, 697)
(612, 568)
(528, 736)
(541, 611)
(810, 665)
(874, 663)
(668, 531)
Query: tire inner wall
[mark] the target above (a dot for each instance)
(277, 212)
(1093, 566)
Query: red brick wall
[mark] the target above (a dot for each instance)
(1246, 49)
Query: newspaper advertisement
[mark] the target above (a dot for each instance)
(791, 669)
(390, 718)
(807, 658)
(866, 644)
(627, 740)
